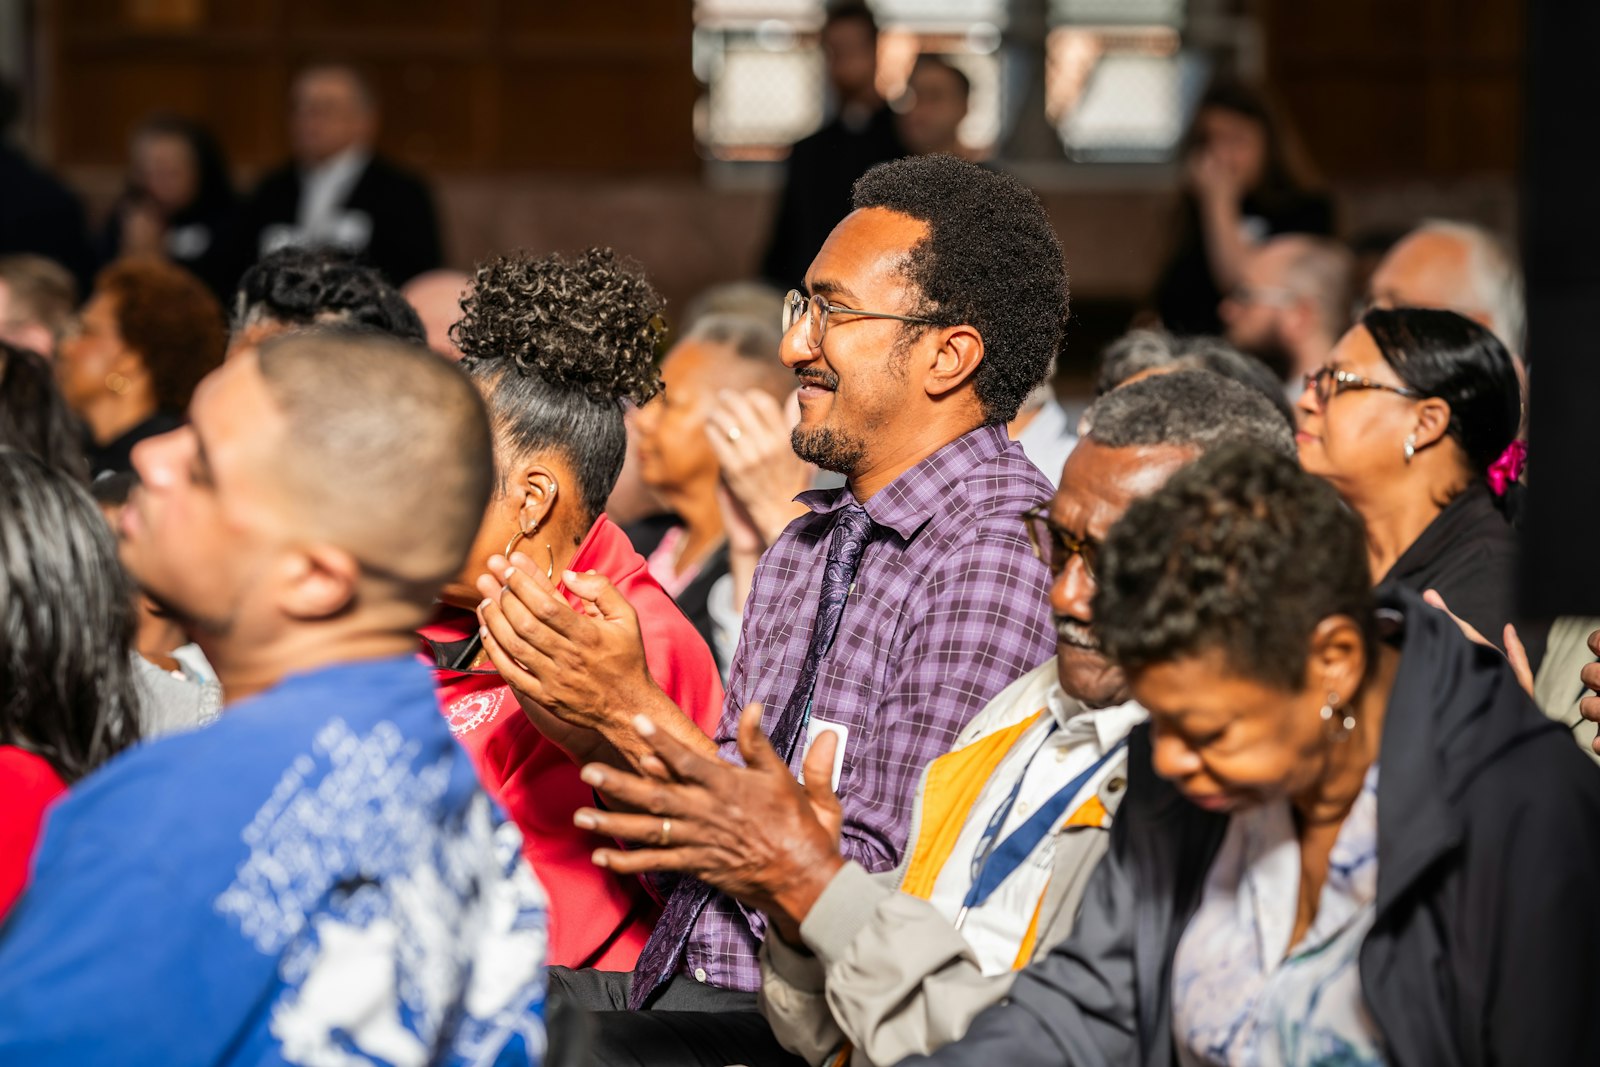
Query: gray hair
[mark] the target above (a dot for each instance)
(1321, 270)
(755, 300)
(1139, 351)
(1496, 290)
(1134, 353)
(1198, 409)
(750, 337)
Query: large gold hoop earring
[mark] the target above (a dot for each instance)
(550, 571)
(517, 540)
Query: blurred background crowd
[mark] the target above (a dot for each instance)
(664, 130)
(1312, 200)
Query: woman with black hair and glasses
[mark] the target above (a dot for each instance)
(1406, 420)
(67, 696)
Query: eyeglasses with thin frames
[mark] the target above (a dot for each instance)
(816, 310)
(1055, 545)
(1328, 382)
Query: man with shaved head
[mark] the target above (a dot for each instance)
(1292, 303)
(317, 877)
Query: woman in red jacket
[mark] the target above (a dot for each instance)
(67, 697)
(557, 348)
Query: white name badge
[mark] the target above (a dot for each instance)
(815, 728)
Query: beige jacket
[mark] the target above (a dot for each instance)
(887, 972)
(1557, 689)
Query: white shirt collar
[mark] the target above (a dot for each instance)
(1107, 725)
(339, 167)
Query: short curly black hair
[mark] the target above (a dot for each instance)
(1241, 552)
(558, 345)
(991, 261)
(318, 286)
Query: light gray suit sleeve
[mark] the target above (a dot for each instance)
(890, 975)
(1075, 1006)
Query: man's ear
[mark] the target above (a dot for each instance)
(319, 582)
(954, 361)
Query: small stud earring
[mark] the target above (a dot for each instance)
(1411, 447)
(1346, 723)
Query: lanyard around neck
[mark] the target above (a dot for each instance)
(994, 861)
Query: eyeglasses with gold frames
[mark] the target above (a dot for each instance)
(1055, 545)
(816, 309)
(1328, 382)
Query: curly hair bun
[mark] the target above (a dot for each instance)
(589, 323)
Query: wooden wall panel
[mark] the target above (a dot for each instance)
(466, 85)
(86, 17)
(1380, 88)
(104, 96)
(614, 125)
(394, 20)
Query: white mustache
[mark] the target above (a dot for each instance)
(1074, 632)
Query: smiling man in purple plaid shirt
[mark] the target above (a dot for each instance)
(892, 612)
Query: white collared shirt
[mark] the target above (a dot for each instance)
(995, 930)
(323, 191)
(1048, 440)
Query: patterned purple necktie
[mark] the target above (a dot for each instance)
(852, 529)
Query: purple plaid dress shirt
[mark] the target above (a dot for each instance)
(949, 607)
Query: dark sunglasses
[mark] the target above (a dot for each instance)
(1055, 545)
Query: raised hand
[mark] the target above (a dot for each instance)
(753, 832)
(581, 676)
(1514, 652)
(749, 433)
(1589, 706)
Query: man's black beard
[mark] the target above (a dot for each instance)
(828, 449)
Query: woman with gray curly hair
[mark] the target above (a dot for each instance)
(1348, 836)
(556, 347)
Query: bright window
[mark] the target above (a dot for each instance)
(1119, 84)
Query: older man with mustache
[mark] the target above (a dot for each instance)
(1008, 825)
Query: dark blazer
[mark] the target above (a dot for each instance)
(816, 191)
(1484, 949)
(204, 247)
(41, 216)
(405, 230)
(646, 536)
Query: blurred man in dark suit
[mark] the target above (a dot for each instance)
(823, 167)
(336, 192)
